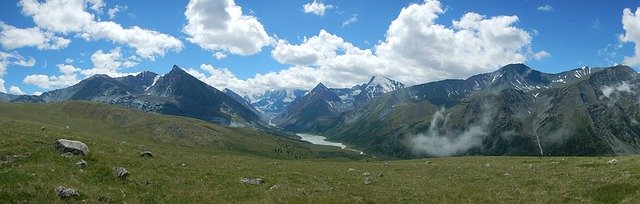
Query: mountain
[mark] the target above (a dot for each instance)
(311, 111)
(175, 93)
(240, 100)
(512, 111)
(274, 102)
(376, 87)
(7, 97)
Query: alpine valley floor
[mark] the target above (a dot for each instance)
(196, 161)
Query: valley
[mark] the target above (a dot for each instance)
(204, 162)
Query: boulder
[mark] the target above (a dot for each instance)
(351, 170)
(613, 161)
(274, 187)
(146, 153)
(72, 146)
(366, 174)
(252, 181)
(121, 172)
(64, 192)
(82, 163)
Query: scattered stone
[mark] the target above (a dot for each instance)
(82, 163)
(613, 161)
(507, 174)
(530, 166)
(555, 162)
(183, 164)
(351, 170)
(121, 172)
(487, 165)
(42, 128)
(386, 164)
(146, 153)
(274, 187)
(252, 181)
(67, 155)
(367, 181)
(72, 146)
(64, 192)
(275, 163)
(143, 148)
(380, 174)
(427, 162)
(366, 174)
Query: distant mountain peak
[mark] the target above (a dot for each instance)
(515, 68)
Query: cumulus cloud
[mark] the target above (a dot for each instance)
(148, 43)
(474, 44)
(113, 11)
(317, 8)
(541, 55)
(2, 89)
(353, 19)
(437, 142)
(109, 63)
(545, 8)
(12, 38)
(631, 26)
(416, 50)
(220, 26)
(72, 16)
(16, 90)
(69, 77)
(13, 58)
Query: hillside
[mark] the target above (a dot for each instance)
(196, 161)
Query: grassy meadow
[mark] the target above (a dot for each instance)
(196, 161)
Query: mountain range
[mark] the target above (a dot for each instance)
(514, 110)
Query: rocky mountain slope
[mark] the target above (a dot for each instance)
(175, 93)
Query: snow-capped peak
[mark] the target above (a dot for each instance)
(383, 84)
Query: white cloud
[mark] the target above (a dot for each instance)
(113, 11)
(631, 25)
(2, 89)
(13, 58)
(108, 63)
(219, 55)
(64, 16)
(71, 16)
(316, 7)
(51, 82)
(16, 90)
(12, 38)
(416, 50)
(353, 19)
(541, 55)
(148, 43)
(220, 26)
(545, 7)
(422, 50)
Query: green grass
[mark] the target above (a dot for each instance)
(222, 156)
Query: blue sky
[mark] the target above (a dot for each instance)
(550, 36)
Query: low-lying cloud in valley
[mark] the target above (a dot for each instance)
(438, 141)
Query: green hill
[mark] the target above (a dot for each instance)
(197, 161)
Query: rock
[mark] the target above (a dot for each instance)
(386, 164)
(274, 187)
(351, 170)
(530, 166)
(487, 165)
(183, 164)
(64, 192)
(507, 174)
(146, 153)
(121, 172)
(366, 174)
(72, 146)
(82, 163)
(380, 174)
(42, 128)
(613, 161)
(427, 162)
(67, 155)
(367, 181)
(252, 181)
